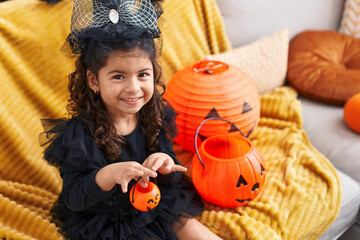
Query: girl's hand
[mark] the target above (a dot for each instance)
(122, 173)
(163, 163)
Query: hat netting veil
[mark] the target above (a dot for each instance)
(110, 21)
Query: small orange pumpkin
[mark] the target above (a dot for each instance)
(212, 89)
(352, 112)
(145, 199)
(227, 170)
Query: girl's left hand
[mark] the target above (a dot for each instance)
(163, 163)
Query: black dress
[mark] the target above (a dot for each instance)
(85, 211)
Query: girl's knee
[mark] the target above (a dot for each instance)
(190, 228)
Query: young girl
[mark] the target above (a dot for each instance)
(118, 132)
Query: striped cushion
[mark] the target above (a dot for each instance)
(350, 23)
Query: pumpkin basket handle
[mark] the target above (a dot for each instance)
(213, 118)
(133, 192)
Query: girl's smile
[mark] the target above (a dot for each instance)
(132, 101)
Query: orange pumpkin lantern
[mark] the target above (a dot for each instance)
(227, 170)
(212, 89)
(145, 199)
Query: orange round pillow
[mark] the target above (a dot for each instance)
(352, 112)
(324, 66)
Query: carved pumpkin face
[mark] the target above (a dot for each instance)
(234, 171)
(211, 88)
(145, 199)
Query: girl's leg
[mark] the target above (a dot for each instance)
(193, 229)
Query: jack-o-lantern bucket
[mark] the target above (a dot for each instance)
(227, 170)
(212, 89)
(145, 199)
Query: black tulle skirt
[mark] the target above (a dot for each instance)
(178, 203)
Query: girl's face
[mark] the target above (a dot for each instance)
(125, 83)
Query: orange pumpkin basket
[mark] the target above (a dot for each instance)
(145, 199)
(227, 170)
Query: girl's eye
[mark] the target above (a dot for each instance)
(143, 75)
(118, 77)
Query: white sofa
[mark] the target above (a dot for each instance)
(247, 21)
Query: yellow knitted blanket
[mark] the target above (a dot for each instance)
(302, 193)
(299, 201)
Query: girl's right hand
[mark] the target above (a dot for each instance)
(132, 170)
(122, 173)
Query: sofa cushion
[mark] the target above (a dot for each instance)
(325, 66)
(265, 60)
(342, 148)
(246, 21)
(350, 22)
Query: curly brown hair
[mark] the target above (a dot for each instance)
(89, 106)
